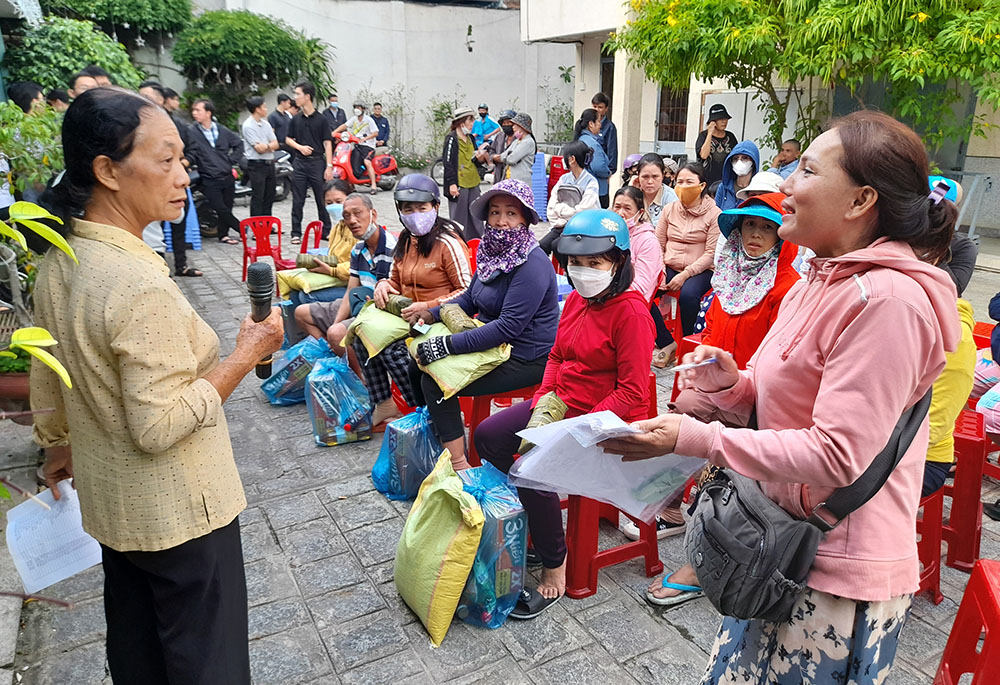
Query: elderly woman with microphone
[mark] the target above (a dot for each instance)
(142, 430)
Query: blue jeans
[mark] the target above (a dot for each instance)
(322, 295)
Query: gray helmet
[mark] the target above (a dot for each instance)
(416, 188)
(507, 114)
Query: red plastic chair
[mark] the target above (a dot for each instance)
(979, 613)
(261, 227)
(982, 333)
(397, 397)
(584, 559)
(556, 171)
(477, 410)
(473, 251)
(929, 545)
(965, 524)
(315, 228)
(673, 322)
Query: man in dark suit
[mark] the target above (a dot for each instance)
(279, 119)
(334, 112)
(218, 151)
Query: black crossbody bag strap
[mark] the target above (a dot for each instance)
(827, 515)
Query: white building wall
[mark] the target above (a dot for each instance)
(422, 50)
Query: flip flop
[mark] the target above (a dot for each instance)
(296, 240)
(688, 592)
(228, 241)
(189, 271)
(530, 604)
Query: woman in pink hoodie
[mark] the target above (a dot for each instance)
(828, 384)
(647, 257)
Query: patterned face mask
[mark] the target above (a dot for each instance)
(419, 223)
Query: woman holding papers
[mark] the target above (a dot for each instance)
(151, 453)
(600, 361)
(828, 385)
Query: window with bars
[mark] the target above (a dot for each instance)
(671, 120)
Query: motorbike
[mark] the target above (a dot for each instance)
(283, 187)
(386, 171)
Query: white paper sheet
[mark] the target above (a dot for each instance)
(566, 459)
(50, 545)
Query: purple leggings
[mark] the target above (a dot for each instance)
(497, 443)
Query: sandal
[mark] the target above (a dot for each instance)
(228, 241)
(665, 357)
(688, 592)
(296, 239)
(189, 271)
(373, 190)
(530, 604)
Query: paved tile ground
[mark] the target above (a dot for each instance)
(319, 545)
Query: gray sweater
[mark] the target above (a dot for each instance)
(519, 157)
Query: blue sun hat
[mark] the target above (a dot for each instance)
(766, 206)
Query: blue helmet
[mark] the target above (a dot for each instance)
(416, 188)
(593, 231)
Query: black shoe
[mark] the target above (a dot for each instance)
(992, 510)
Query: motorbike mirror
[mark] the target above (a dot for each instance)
(345, 136)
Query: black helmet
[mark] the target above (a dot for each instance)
(416, 188)
(506, 114)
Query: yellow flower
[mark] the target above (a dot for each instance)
(45, 160)
(922, 17)
(671, 21)
(736, 33)
(809, 21)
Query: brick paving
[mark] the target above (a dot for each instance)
(319, 544)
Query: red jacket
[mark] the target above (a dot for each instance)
(742, 334)
(601, 357)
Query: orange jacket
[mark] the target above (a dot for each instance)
(741, 334)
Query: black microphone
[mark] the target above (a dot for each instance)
(260, 286)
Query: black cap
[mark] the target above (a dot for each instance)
(717, 112)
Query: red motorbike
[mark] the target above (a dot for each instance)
(386, 171)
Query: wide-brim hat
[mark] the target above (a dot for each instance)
(519, 190)
(461, 113)
(762, 182)
(767, 206)
(523, 120)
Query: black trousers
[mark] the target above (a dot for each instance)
(220, 193)
(178, 240)
(178, 616)
(261, 175)
(446, 415)
(308, 174)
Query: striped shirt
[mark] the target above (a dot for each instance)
(369, 268)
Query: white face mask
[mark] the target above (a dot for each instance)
(589, 282)
(358, 111)
(742, 167)
(466, 130)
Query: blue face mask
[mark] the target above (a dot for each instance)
(336, 212)
(334, 105)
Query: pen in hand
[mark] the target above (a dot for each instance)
(695, 365)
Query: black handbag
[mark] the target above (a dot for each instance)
(751, 557)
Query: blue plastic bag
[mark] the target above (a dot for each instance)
(338, 403)
(287, 384)
(499, 568)
(408, 454)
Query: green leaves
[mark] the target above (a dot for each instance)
(140, 15)
(27, 214)
(53, 51)
(924, 51)
(32, 340)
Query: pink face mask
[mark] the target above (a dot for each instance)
(419, 223)
(631, 223)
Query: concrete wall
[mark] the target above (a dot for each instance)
(420, 52)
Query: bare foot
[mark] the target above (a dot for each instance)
(553, 582)
(685, 575)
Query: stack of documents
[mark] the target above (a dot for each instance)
(49, 545)
(566, 459)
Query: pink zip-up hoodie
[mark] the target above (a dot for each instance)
(647, 260)
(855, 343)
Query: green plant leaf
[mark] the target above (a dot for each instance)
(7, 353)
(49, 234)
(50, 361)
(32, 335)
(4, 492)
(29, 210)
(14, 235)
